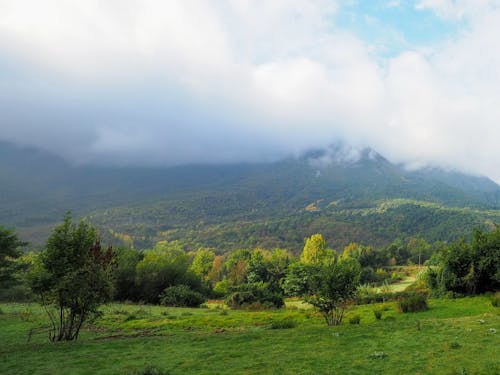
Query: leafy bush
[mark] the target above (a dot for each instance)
(495, 300)
(355, 319)
(332, 287)
(181, 296)
(469, 267)
(284, 324)
(254, 296)
(412, 303)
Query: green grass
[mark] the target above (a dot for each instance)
(452, 337)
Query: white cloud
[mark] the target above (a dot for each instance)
(218, 81)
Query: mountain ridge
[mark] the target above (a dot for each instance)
(38, 187)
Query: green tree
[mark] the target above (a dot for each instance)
(9, 252)
(257, 267)
(296, 279)
(125, 273)
(162, 267)
(73, 277)
(202, 262)
(470, 267)
(332, 287)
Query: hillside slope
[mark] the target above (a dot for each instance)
(365, 199)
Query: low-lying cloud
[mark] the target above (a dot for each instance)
(164, 83)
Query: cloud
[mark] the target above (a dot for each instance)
(154, 82)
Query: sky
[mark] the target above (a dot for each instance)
(153, 82)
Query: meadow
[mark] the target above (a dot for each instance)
(455, 336)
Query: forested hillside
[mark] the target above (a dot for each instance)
(363, 198)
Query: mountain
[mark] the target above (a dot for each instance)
(344, 193)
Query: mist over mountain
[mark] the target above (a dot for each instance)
(37, 188)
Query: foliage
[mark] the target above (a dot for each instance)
(125, 287)
(413, 302)
(296, 279)
(74, 275)
(164, 266)
(469, 267)
(315, 250)
(181, 296)
(254, 295)
(202, 262)
(9, 250)
(332, 287)
(269, 267)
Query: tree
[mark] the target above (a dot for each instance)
(296, 280)
(126, 260)
(162, 267)
(470, 267)
(315, 250)
(202, 262)
(257, 267)
(332, 286)
(73, 277)
(9, 251)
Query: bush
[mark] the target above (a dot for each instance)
(355, 319)
(284, 324)
(495, 300)
(181, 296)
(378, 314)
(254, 296)
(412, 303)
(16, 293)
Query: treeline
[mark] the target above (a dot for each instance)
(166, 271)
(169, 274)
(145, 275)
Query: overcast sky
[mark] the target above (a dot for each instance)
(173, 82)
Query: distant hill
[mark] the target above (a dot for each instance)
(348, 195)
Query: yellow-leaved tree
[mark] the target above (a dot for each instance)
(315, 250)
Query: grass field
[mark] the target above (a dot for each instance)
(452, 337)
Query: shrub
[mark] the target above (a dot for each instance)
(181, 296)
(378, 314)
(412, 303)
(495, 300)
(355, 319)
(254, 296)
(284, 324)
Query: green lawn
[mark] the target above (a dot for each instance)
(452, 337)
